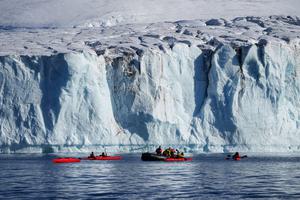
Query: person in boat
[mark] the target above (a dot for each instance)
(159, 151)
(236, 155)
(104, 154)
(172, 152)
(167, 152)
(92, 155)
(179, 154)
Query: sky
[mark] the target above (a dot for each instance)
(68, 13)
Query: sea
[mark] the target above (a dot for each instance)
(207, 176)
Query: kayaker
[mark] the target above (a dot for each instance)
(159, 150)
(236, 155)
(179, 155)
(104, 154)
(92, 155)
(167, 152)
(172, 151)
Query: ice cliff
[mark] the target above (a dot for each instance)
(207, 85)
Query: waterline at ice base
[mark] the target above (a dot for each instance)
(199, 85)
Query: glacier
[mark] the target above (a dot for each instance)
(91, 13)
(210, 86)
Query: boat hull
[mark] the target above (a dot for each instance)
(65, 160)
(104, 158)
(154, 157)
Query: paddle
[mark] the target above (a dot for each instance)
(229, 157)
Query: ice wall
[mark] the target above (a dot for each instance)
(253, 102)
(233, 98)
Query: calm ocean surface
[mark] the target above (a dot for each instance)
(208, 176)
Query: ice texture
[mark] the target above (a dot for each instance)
(102, 13)
(214, 85)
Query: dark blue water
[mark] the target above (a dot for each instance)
(206, 177)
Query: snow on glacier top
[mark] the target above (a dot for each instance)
(35, 27)
(115, 40)
(69, 13)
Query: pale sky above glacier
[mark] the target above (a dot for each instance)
(68, 13)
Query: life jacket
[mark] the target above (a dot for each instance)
(167, 152)
(236, 157)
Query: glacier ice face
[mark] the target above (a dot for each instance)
(242, 99)
(156, 100)
(251, 102)
(218, 93)
(65, 104)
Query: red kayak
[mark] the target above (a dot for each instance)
(177, 159)
(65, 160)
(154, 157)
(237, 158)
(103, 158)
